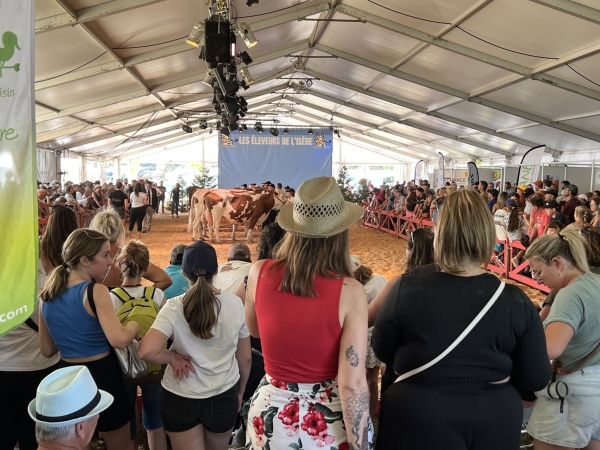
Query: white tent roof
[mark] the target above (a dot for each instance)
(468, 78)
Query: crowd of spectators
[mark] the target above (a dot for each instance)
(281, 350)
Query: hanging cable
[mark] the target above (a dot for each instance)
(150, 45)
(270, 12)
(504, 48)
(71, 71)
(408, 15)
(581, 75)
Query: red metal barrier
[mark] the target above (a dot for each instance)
(500, 263)
(515, 272)
(389, 222)
(407, 226)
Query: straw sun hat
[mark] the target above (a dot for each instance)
(318, 210)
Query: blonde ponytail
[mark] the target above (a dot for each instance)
(134, 259)
(567, 244)
(201, 307)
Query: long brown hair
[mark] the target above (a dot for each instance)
(61, 224)
(513, 218)
(591, 235)
(303, 258)
(201, 307)
(363, 274)
(420, 244)
(80, 243)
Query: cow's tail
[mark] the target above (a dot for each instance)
(192, 213)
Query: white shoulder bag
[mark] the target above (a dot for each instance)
(459, 339)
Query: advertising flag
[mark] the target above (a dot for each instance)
(473, 173)
(530, 165)
(18, 202)
(419, 170)
(440, 170)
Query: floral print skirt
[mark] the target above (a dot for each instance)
(284, 415)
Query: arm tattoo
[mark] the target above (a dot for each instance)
(352, 356)
(354, 411)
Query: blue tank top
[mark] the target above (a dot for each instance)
(75, 332)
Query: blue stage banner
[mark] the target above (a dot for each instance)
(290, 159)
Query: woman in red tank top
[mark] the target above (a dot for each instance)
(311, 317)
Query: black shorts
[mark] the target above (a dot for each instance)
(217, 414)
(108, 377)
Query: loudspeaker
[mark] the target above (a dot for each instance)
(216, 42)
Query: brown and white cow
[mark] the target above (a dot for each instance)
(236, 207)
(197, 220)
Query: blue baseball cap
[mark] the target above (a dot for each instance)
(199, 255)
(510, 201)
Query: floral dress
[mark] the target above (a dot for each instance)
(296, 416)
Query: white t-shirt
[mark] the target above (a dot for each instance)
(230, 275)
(137, 201)
(137, 292)
(213, 359)
(374, 285)
(20, 350)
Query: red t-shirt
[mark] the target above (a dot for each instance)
(541, 220)
(300, 336)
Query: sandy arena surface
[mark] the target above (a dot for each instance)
(384, 253)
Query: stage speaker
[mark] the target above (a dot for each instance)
(216, 42)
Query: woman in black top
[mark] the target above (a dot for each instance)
(471, 399)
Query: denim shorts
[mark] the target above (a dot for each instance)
(150, 406)
(217, 414)
(580, 420)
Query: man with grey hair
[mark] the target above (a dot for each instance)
(231, 273)
(66, 409)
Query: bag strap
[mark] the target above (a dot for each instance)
(90, 297)
(459, 339)
(560, 371)
(31, 324)
(149, 292)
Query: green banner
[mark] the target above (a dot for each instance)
(18, 202)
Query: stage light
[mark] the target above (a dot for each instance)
(241, 129)
(186, 128)
(337, 133)
(231, 106)
(196, 35)
(258, 127)
(251, 2)
(242, 101)
(244, 127)
(209, 78)
(245, 32)
(203, 125)
(285, 131)
(245, 74)
(274, 131)
(330, 127)
(228, 88)
(245, 57)
(310, 131)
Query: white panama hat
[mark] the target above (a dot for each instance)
(319, 210)
(67, 396)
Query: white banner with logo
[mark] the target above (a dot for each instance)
(18, 202)
(440, 170)
(473, 173)
(530, 165)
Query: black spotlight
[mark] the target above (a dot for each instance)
(203, 125)
(245, 57)
(310, 131)
(241, 129)
(252, 2)
(227, 87)
(186, 128)
(337, 133)
(244, 126)
(285, 131)
(274, 131)
(330, 127)
(258, 127)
